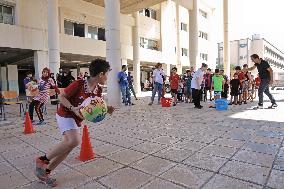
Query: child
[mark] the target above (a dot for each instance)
(187, 81)
(250, 87)
(241, 77)
(174, 82)
(69, 118)
(44, 84)
(218, 83)
(180, 91)
(235, 85)
(208, 79)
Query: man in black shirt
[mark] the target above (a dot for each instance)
(266, 77)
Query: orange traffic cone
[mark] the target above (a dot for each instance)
(86, 152)
(28, 125)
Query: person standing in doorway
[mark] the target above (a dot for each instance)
(130, 83)
(196, 85)
(266, 78)
(124, 86)
(158, 80)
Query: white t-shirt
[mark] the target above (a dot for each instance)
(158, 76)
(197, 79)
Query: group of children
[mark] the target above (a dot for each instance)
(242, 87)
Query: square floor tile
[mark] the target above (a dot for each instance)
(153, 165)
(125, 178)
(127, 156)
(229, 142)
(224, 182)
(148, 147)
(246, 171)
(263, 148)
(187, 176)
(98, 167)
(255, 158)
(12, 180)
(221, 151)
(206, 161)
(174, 154)
(276, 179)
(161, 184)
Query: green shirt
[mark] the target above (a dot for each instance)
(218, 82)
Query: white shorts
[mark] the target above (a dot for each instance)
(66, 124)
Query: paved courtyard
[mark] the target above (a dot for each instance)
(156, 148)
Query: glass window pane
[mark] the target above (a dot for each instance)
(92, 32)
(7, 10)
(1, 18)
(68, 27)
(101, 34)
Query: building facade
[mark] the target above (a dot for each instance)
(240, 51)
(174, 33)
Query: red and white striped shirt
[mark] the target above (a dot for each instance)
(44, 87)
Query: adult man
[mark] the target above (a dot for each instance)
(266, 77)
(124, 86)
(158, 80)
(195, 85)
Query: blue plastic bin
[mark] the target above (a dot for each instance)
(221, 104)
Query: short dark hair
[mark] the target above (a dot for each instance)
(245, 65)
(97, 66)
(208, 69)
(174, 68)
(254, 56)
(204, 65)
(217, 70)
(221, 70)
(29, 72)
(123, 66)
(238, 68)
(188, 71)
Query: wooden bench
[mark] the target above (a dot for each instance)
(10, 98)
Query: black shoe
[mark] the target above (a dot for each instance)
(198, 107)
(174, 104)
(230, 103)
(245, 102)
(274, 105)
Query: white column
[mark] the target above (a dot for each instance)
(13, 78)
(53, 36)
(193, 35)
(40, 62)
(178, 49)
(136, 55)
(226, 46)
(113, 51)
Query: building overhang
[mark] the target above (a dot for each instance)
(129, 6)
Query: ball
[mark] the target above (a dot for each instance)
(93, 109)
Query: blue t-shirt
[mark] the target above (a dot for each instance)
(122, 76)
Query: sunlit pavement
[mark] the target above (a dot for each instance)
(145, 146)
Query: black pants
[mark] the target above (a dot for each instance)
(196, 97)
(37, 105)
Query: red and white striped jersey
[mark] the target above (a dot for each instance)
(44, 87)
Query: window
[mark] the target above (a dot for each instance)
(203, 13)
(184, 52)
(151, 13)
(101, 34)
(204, 56)
(183, 26)
(92, 32)
(71, 28)
(68, 27)
(6, 14)
(203, 35)
(149, 44)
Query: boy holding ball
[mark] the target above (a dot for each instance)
(69, 118)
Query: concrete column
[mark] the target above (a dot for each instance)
(136, 55)
(40, 62)
(18, 12)
(226, 46)
(167, 69)
(193, 35)
(178, 48)
(12, 72)
(4, 81)
(53, 36)
(113, 51)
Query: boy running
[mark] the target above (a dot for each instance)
(69, 118)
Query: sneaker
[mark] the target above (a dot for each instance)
(273, 105)
(41, 164)
(45, 178)
(245, 102)
(174, 104)
(150, 104)
(258, 107)
(198, 107)
(230, 103)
